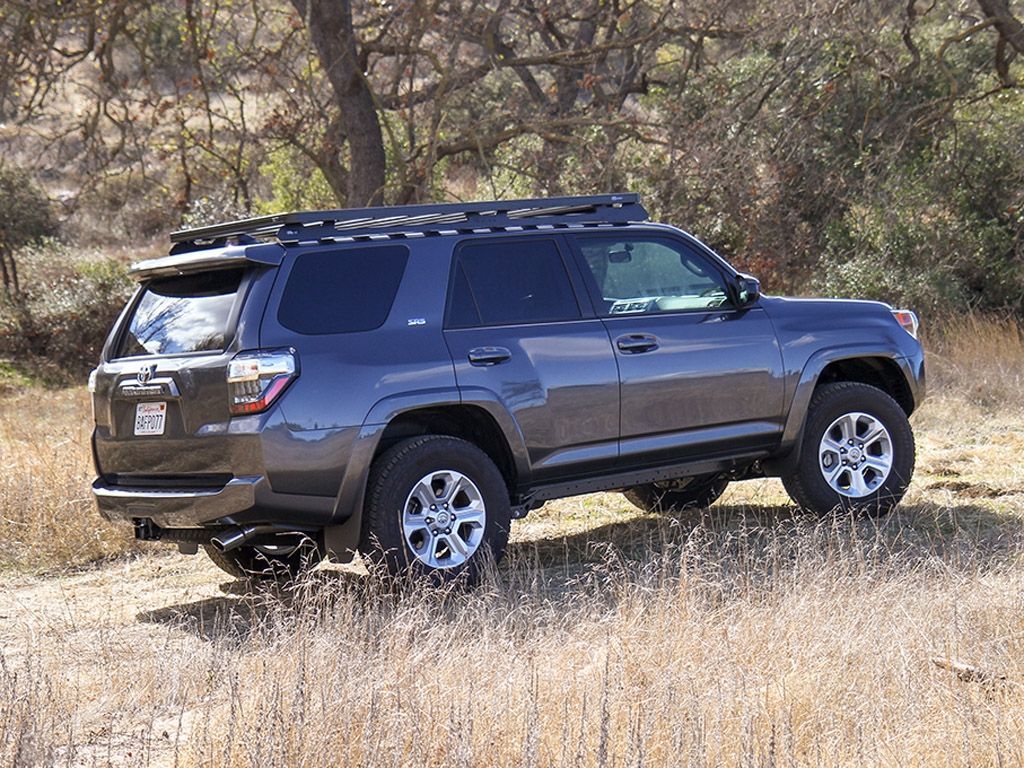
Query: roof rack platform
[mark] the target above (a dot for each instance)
(302, 226)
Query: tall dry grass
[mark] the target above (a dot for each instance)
(749, 635)
(979, 360)
(725, 642)
(47, 515)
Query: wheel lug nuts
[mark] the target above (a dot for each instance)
(842, 450)
(447, 530)
(433, 506)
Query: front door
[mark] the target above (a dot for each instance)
(699, 376)
(517, 333)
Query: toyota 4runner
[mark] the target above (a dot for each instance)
(403, 382)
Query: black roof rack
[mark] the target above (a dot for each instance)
(442, 217)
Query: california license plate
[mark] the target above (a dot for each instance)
(150, 418)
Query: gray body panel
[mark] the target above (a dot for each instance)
(721, 390)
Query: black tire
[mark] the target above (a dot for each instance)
(698, 493)
(807, 485)
(262, 563)
(392, 480)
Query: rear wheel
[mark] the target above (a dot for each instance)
(857, 452)
(677, 495)
(280, 560)
(436, 507)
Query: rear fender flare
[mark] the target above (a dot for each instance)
(342, 539)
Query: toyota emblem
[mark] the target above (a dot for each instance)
(146, 373)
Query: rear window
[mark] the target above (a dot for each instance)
(342, 291)
(176, 315)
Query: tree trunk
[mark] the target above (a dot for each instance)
(329, 23)
(1009, 26)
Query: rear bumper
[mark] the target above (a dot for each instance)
(176, 507)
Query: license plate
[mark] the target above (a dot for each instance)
(149, 418)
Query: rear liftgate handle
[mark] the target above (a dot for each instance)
(489, 355)
(635, 343)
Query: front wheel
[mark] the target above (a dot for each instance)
(436, 507)
(857, 452)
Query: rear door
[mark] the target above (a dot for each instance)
(519, 330)
(163, 380)
(698, 375)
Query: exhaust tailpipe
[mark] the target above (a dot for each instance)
(233, 538)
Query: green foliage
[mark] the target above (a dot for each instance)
(58, 325)
(25, 213)
(295, 183)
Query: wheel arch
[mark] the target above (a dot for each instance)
(481, 420)
(879, 367)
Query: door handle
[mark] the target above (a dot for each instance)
(635, 343)
(488, 356)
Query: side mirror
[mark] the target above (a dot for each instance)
(748, 290)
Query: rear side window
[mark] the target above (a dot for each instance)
(177, 315)
(509, 282)
(342, 291)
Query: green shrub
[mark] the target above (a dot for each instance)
(25, 217)
(57, 326)
(296, 184)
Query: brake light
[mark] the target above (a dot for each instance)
(256, 379)
(907, 319)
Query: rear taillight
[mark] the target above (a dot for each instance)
(256, 379)
(907, 319)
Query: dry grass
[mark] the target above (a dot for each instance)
(47, 515)
(747, 636)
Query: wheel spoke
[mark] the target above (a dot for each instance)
(457, 545)
(471, 516)
(881, 464)
(858, 485)
(833, 445)
(833, 477)
(848, 426)
(423, 493)
(875, 432)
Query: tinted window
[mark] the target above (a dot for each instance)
(636, 276)
(176, 315)
(512, 281)
(342, 291)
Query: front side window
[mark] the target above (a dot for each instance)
(178, 315)
(510, 282)
(640, 276)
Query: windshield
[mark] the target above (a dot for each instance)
(176, 315)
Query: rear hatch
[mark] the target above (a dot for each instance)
(161, 396)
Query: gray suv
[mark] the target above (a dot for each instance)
(404, 382)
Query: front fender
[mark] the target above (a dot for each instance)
(789, 452)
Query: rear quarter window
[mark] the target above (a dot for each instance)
(342, 291)
(178, 315)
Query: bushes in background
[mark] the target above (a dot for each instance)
(57, 325)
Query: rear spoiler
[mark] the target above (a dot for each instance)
(227, 257)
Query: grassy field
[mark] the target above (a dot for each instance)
(748, 634)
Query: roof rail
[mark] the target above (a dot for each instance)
(293, 227)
